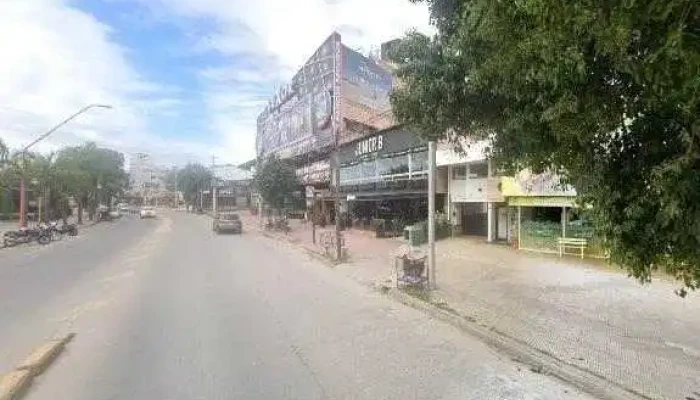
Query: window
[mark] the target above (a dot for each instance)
(393, 165)
(419, 161)
(459, 172)
(478, 170)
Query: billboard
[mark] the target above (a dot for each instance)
(300, 117)
(365, 82)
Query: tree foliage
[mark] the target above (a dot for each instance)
(276, 181)
(87, 173)
(191, 180)
(606, 93)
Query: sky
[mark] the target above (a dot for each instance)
(186, 79)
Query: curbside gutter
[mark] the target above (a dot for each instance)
(15, 384)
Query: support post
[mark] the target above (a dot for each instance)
(491, 221)
(431, 214)
(520, 216)
(214, 200)
(563, 222)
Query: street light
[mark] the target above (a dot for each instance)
(22, 189)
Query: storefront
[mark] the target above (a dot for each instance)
(384, 176)
(541, 210)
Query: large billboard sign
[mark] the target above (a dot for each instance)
(300, 117)
(365, 82)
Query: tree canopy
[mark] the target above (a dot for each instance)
(87, 173)
(276, 181)
(605, 93)
(191, 179)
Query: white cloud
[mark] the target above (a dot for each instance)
(57, 59)
(278, 36)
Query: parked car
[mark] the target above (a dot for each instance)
(147, 212)
(229, 222)
(114, 214)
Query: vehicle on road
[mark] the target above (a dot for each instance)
(147, 212)
(114, 214)
(228, 222)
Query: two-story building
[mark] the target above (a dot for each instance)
(475, 204)
(385, 176)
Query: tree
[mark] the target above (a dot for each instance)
(191, 180)
(91, 175)
(605, 93)
(276, 181)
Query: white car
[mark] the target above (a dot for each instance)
(147, 212)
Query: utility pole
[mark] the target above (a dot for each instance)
(22, 185)
(431, 213)
(335, 127)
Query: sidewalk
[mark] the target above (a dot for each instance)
(644, 338)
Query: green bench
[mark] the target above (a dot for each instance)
(579, 244)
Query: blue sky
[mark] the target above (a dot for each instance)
(186, 78)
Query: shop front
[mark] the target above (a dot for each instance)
(542, 210)
(385, 177)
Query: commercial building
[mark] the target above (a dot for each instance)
(336, 97)
(230, 189)
(385, 176)
(475, 204)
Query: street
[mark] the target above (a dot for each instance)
(164, 309)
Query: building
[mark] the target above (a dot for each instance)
(336, 97)
(385, 176)
(231, 186)
(146, 180)
(475, 204)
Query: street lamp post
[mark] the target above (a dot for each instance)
(22, 186)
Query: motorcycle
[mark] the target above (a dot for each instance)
(26, 235)
(68, 229)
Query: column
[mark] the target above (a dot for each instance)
(491, 218)
(214, 199)
(563, 222)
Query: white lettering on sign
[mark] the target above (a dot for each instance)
(369, 145)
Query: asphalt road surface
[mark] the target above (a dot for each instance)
(164, 309)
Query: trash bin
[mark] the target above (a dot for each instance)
(415, 235)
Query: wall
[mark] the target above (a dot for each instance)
(475, 190)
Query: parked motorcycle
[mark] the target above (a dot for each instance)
(26, 235)
(68, 229)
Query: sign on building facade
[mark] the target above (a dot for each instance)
(299, 118)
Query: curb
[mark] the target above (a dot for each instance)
(15, 384)
(540, 361)
(310, 251)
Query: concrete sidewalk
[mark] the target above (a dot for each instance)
(644, 338)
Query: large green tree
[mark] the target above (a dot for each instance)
(191, 180)
(605, 92)
(91, 175)
(276, 181)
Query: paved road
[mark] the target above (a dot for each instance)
(166, 310)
